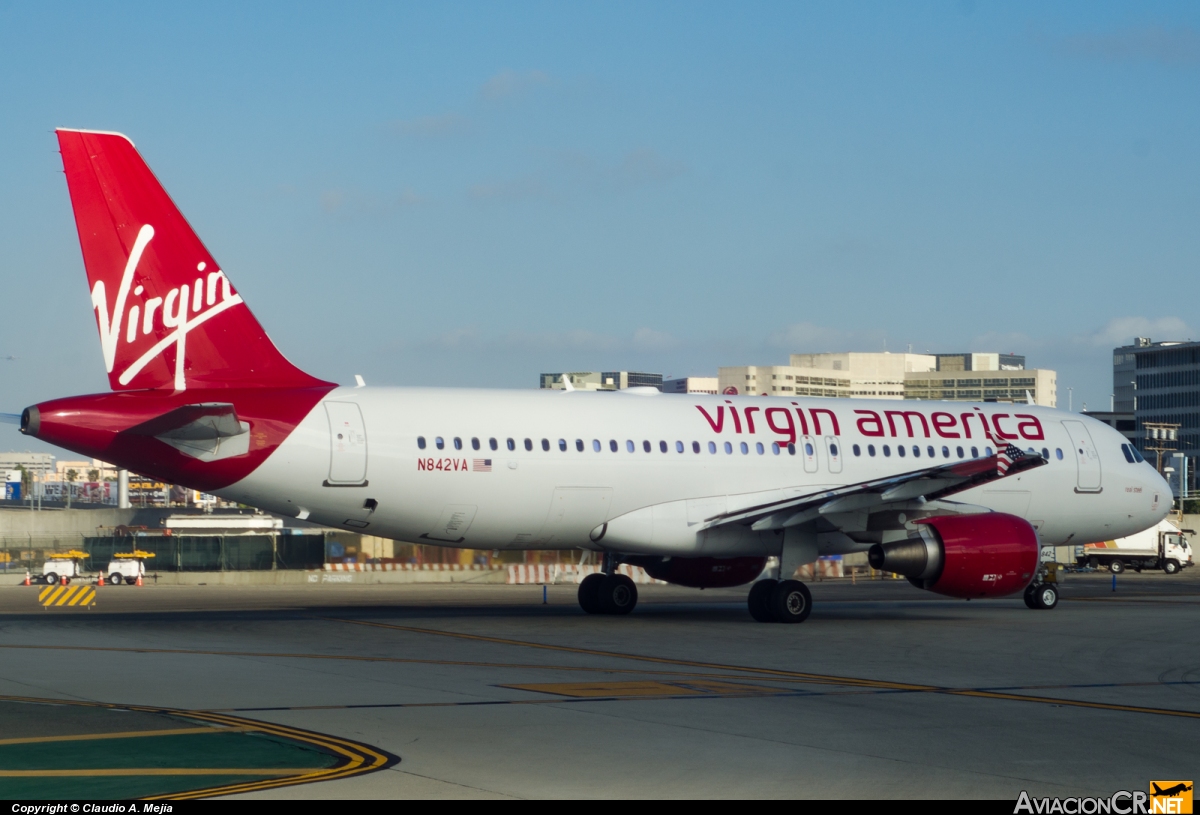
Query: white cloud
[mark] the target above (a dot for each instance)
(1122, 330)
(1178, 46)
(511, 84)
(431, 127)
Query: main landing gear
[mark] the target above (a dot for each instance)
(779, 601)
(1041, 595)
(608, 593)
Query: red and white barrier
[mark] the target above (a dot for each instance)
(553, 573)
(409, 567)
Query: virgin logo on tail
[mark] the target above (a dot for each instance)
(184, 308)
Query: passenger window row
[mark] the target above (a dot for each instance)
(931, 451)
(614, 446)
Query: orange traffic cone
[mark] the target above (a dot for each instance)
(63, 579)
(139, 579)
(99, 579)
(27, 582)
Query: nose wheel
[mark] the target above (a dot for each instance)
(779, 601)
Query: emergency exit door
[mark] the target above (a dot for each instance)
(348, 445)
(1086, 458)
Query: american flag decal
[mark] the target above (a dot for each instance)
(482, 465)
(1006, 457)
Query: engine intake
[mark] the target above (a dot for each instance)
(986, 555)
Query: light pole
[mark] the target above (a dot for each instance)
(1071, 400)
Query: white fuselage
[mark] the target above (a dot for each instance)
(474, 492)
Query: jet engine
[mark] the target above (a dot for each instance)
(701, 572)
(986, 555)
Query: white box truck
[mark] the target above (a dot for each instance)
(1159, 547)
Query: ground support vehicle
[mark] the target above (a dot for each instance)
(62, 567)
(127, 566)
(1164, 546)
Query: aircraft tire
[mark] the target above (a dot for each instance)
(1170, 566)
(791, 601)
(759, 601)
(1116, 567)
(617, 594)
(589, 599)
(1030, 596)
(1047, 596)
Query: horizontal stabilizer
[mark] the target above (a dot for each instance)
(208, 431)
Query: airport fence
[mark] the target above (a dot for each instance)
(172, 553)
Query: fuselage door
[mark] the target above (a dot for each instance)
(1087, 460)
(833, 453)
(348, 445)
(808, 449)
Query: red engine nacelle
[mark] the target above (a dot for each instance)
(702, 572)
(985, 555)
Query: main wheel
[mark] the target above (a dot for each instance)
(790, 601)
(617, 594)
(114, 579)
(1030, 596)
(1170, 566)
(51, 578)
(589, 599)
(759, 601)
(1116, 567)
(1047, 596)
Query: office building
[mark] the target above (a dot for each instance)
(691, 384)
(965, 377)
(602, 380)
(1159, 382)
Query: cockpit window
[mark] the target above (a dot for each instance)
(1128, 454)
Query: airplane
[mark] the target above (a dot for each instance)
(698, 490)
(1169, 792)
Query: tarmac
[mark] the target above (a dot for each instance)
(479, 691)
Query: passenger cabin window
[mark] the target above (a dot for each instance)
(646, 445)
(475, 444)
(457, 443)
(745, 448)
(945, 452)
(774, 448)
(492, 444)
(439, 443)
(1045, 454)
(791, 449)
(596, 445)
(712, 447)
(629, 445)
(612, 445)
(857, 450)
(900, 450)
(728, 448)
(988, 451)
(512, 445)
(1058, 453)
(528, 444)
(562, 445)
(931, 451)
(546, 445)
(695, 447)
(959, 452)
(887, 451)
(871, 450)
(579, 445)
(678, 447)
(974, 452)
(420, 442)
(662, 446)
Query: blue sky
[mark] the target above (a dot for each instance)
(473, 193)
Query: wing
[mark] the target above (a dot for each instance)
(925, 485)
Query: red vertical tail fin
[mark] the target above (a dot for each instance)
(168, 316)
